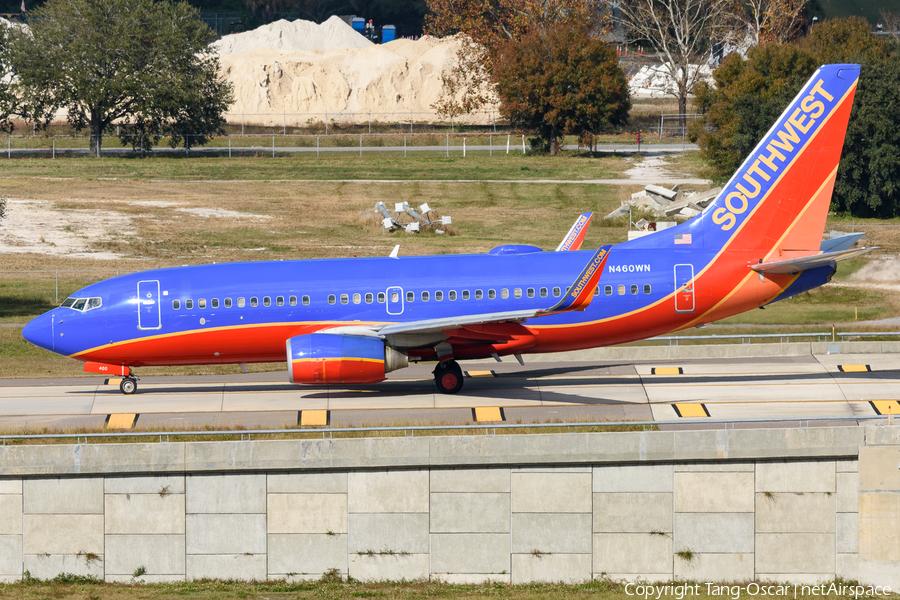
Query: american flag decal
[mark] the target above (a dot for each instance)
(683, 238)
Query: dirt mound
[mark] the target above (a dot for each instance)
(293, 36)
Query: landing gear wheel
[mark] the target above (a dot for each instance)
(128, 385)
(448, 377)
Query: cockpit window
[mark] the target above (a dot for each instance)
(82, 304)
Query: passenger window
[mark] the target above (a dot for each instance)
(465, 294)
(345, 299)
(621, 290)
(410, 296)
(646, 288)
(93, 303)
(424, 296)
(530, 292)
(241, 302)
(214, 303)
(451, 295)
(176, 304)
(438, 296)
(504, 293)
(279, 301)
(543, 292)
(254, 301)
(492, 294)
(395, 296)
(305, 300)
(478, 295)
(608, 290)
(369, 298)
(357, 298)
(517, 293)
(331, 299)
(227, 302)
(597, 291)
(380, 297)
(634, 289)
(556, 292)
(267, 301)
(201, 303)
(188, 304)
(292, 300)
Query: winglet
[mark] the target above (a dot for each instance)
(579, 295)
(575, 237)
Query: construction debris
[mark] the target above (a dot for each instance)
(665, 202)
(405, 218)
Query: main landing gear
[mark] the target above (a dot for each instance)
(128, 385)
(448, 377)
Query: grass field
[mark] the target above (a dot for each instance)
(332, 588)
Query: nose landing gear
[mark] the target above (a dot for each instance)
(448, 377)
(128, 385)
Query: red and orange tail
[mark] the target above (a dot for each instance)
(778, 200)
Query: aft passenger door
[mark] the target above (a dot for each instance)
(684, 288)
(149, 316)
(394, 301)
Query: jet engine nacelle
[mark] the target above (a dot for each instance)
(339, 358)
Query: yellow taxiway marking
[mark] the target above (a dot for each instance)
(113, 381)
(488, 413)
(854, 368)
(121, 421)
(481, 374)
(313, 417)
(886, 407)
(667, 371)
(690, 409)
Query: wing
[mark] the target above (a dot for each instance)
(575, 237)
(795, 265)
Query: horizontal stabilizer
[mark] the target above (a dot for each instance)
(795, 265)
(842, 242)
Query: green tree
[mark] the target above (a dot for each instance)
(560, 80)
(106, 61)
(749, 95)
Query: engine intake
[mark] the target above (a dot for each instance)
(323, 358)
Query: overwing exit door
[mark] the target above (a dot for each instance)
(684, 288)
(394, 302)
(149, 316)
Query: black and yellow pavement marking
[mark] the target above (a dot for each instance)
(854, 368)
(315, 417)
(886, 407)
(690, 409)
(667, 371)
(480, 374)
(488, 413)
(113, 381)
(121, 421)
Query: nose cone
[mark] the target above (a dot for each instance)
(39, 331)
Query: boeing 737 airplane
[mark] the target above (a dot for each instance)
(352, 321)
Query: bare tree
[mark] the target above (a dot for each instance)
(776, 21)
(891, 22)
(682, 31)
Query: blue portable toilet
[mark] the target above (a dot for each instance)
(388, 34)
(358, 24)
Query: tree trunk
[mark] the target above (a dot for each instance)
(96, 134)
(554, 148)
(682, 109)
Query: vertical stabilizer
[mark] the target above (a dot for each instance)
(777, 202)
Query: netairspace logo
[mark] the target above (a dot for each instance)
(681, 591)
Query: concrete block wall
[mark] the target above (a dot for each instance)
(756, 515)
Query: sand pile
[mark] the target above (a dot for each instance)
(398, 77)
(293, 36)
